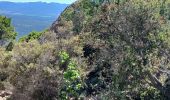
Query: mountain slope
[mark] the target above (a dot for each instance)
(104, 50)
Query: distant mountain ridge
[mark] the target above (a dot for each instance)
(31, 16)
(32, 8)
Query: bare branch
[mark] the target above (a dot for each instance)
(155, 82)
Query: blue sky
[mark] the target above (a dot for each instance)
(57, 1)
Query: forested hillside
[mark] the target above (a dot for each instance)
(95, 50)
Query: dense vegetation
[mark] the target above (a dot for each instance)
(95, 50)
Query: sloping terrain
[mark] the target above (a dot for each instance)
(95, 50)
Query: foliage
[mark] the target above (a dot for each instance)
(105, 49)
(6, 29)
(130, 44)
(31, 36)
(5, 60)
(33, 72)
(7, 33)
(127, 37)
(72, 79)
(151, 93)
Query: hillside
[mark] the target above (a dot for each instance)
(38, 18)
(95, 50)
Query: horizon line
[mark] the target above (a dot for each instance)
(33, 2)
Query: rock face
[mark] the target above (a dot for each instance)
(4, 95)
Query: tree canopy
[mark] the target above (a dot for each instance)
(6, 29)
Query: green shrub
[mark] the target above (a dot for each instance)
(31, 36)
(72, 79)
(6, 29)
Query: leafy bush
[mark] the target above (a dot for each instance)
(31, 36)
(72, 79)
(7, 33)
(6, 29)
(103, 50)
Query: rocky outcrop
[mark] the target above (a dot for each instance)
(4, 95)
